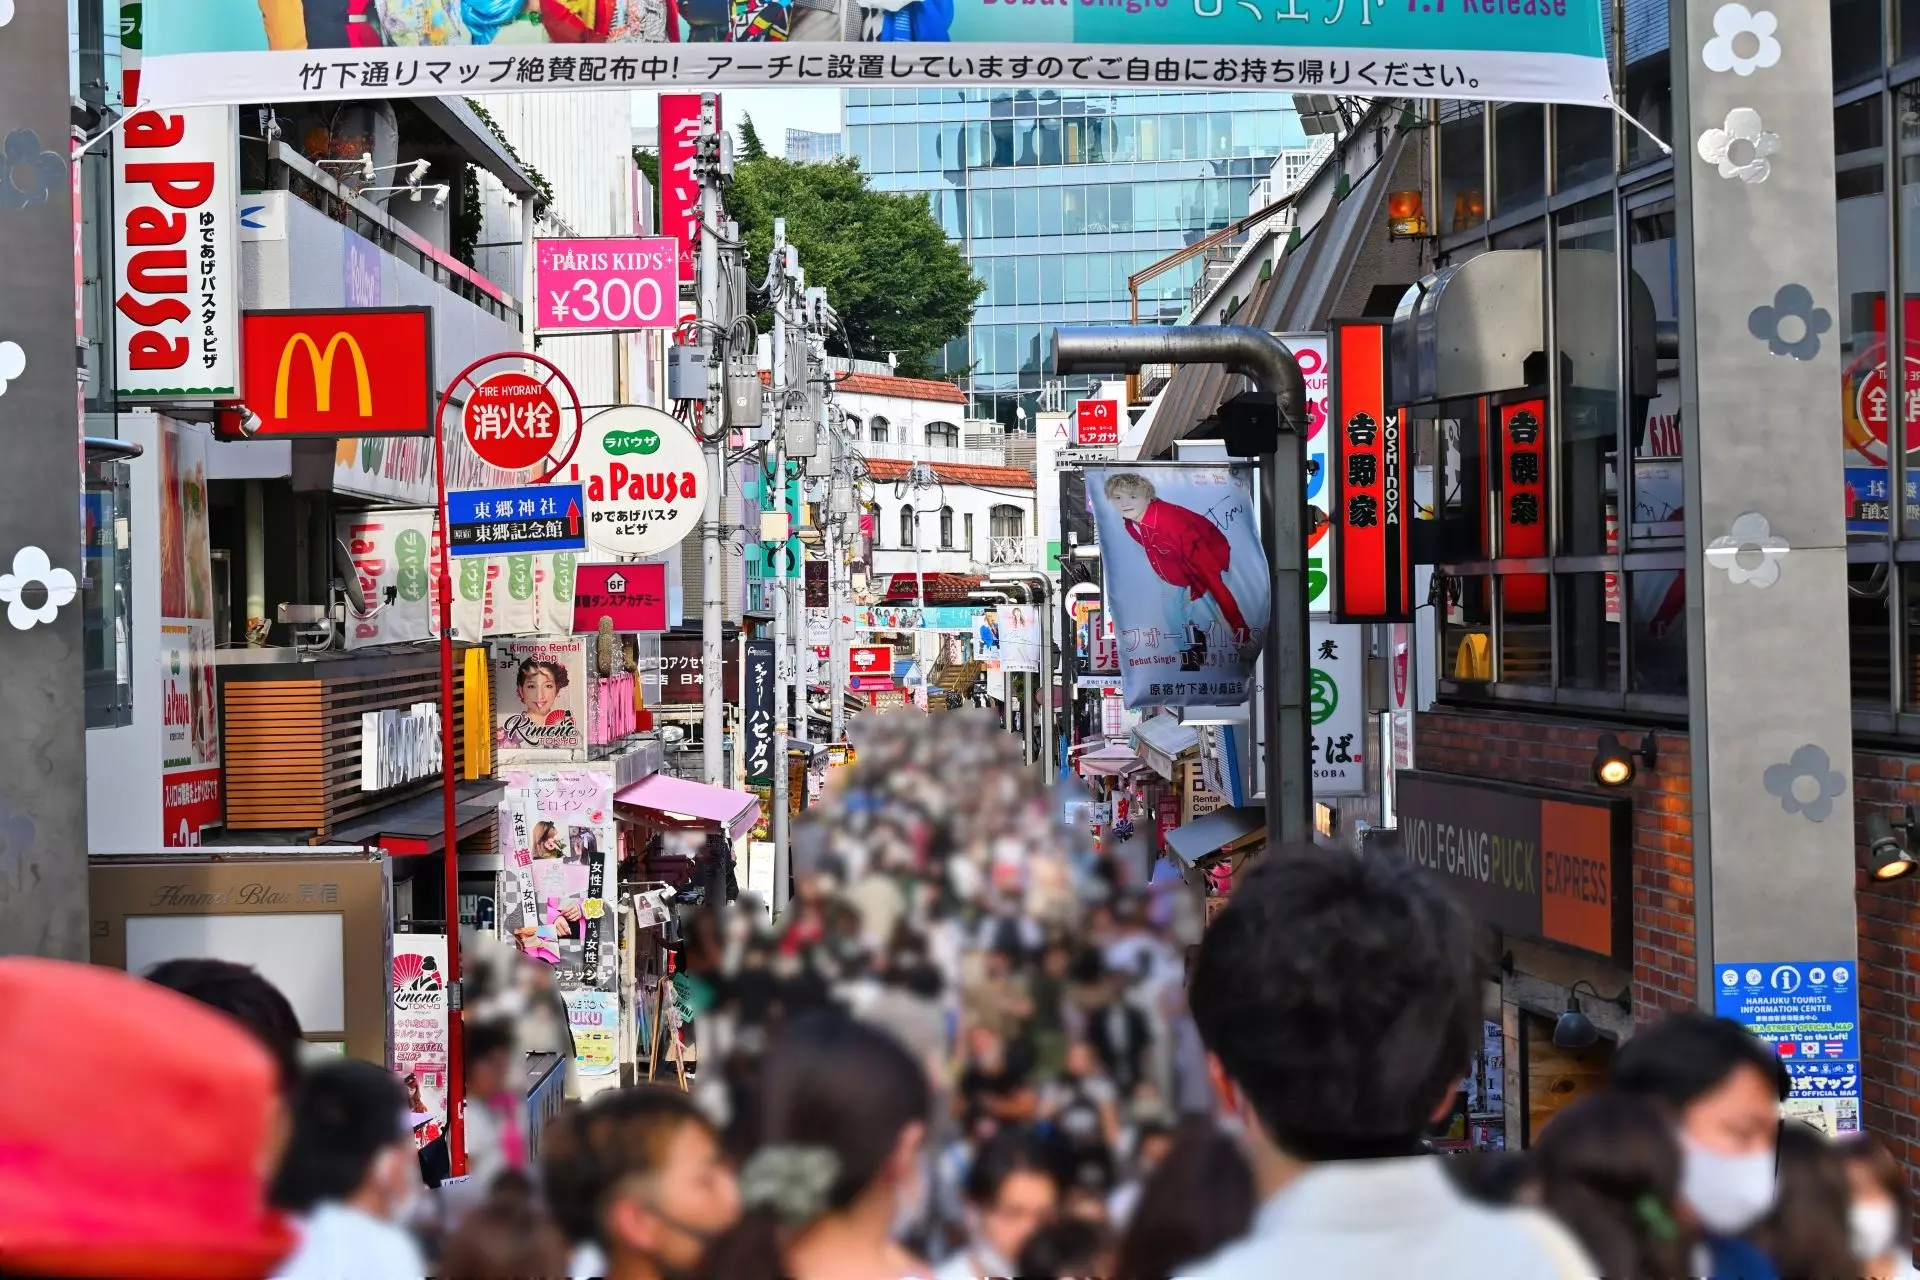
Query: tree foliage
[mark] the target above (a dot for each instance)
(888, 269)
(751, 148)
(648, 162)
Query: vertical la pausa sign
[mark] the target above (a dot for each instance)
(175, 259)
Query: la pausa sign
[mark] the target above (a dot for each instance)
(644, 479)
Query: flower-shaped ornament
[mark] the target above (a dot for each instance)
(1743, 41)
(13, 361)
(29, 173)
(33, 574)
(1792, 325)
(1750, 552)
(1740, 147)
(1806, 784)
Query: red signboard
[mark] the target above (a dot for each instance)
(190, 802)
(679, 186)
(633, 595)
(1097, 422)
(870, 660)
(1523, 500)
(511, 421)
(1373, 579)
(367, 372)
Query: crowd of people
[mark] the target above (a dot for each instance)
(976, 1044)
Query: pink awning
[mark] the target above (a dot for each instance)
(676, 802)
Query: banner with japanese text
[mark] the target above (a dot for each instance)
(225, 51)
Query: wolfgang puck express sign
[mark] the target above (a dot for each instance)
(1535, 864)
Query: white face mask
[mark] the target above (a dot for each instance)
(1728, 1193)
(1875, 1229)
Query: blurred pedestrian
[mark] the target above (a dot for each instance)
(841, 1168)
(1608, 1167)
(1808, 1233)
(1198, 1199)
(239, 991)
(638, 1174)
(495, 1138)
(1151, 1142)
(1069, 1249)
(1340, 998)
(1880, 1213)
(1012, 1190)
(508, 1236)
(352, 1173)
(1082, 1108)
(1724, 1089)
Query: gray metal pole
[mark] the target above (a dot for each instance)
(782, 865)
(836, 663)
(713, 695)
(1046, 680)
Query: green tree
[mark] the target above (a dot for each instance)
(648, 162)
(751, 148)
(888, 269)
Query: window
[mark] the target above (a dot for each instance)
(946, 528)
(906, 525)
(1519, 156)
(107, 595)
(967, 525)
(943, 435)
(1007, 521)
(877, 429)
(1647, 76)
(1463, 166)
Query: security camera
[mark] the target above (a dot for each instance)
(439, 195)
(419, 172)
(250, 423)
(366, 165)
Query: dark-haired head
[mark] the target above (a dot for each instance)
(239, 991)
(1686, 1056)
(1807, 1232)
(1340, 996)
(1881, 1210)
(509, 1235)
(1069, 1247)
(351, 1141)
(1608, 1167)
(489, 1055)
(1012, 1189)
(1198, 1199)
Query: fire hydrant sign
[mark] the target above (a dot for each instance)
(585, 286)
(1096, 423)
(511, 421)
(634, 596)
(645, 481)
(495, 522)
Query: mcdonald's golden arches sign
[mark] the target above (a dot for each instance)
(340, 373)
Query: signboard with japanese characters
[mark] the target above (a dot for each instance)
(1336, 708)
(1522, 486)
(535, 518)
(557, 890)
(1310, 349)
(644, 477)
(511, 420)
(634, 596)
(417, 988)
(679, 186)
(756, 712)
(176, 260)
(1809, 1012)
(584, 286)
(1373, 581)
(871, 660)
(1096, 423)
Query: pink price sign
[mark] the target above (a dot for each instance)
(630, 282)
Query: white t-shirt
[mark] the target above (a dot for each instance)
(338, 1242)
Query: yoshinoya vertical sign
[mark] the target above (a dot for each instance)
(679, 186)
(1373, 581)
(176, 259)
(1186, 578)
(756, 712)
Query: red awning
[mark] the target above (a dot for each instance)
(675, 802)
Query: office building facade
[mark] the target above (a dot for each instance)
(807, 146)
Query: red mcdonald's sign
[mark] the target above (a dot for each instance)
(1373, 576)
(367, 372)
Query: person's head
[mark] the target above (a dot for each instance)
(1080, 1062)
(239, 991)
(539, 683)
(1608, 1167)
(1055, 961)
(641, 1172)
(983, 1044)
(1012, 1190)
(1129, 493)
(546, 840)
(1067, 1248)
(1808, 1234)
(1337, 998)
(1495, 1178)
(351, 1142)
(1723, 1089)
(509, 1235)
(998, 963)
(1880, 1210)
(843, 1112)
(1153, 1141)
(1197, 1199)
(490, 1051)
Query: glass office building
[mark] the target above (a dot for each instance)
(1058, 196)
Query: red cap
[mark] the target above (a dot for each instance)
(135, 1126)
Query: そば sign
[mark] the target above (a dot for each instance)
(511, 421)
(645, 481)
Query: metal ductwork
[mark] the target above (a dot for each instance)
(1242, 349)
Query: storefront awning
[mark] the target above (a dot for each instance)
(1110, 761)
(663, 800)
(1204, 837)
(1162, 741)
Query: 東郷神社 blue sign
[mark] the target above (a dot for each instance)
(226, 51)
(497, 522)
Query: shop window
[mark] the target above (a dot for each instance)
(1856, 41)
(1588, 318)
(106, 595)
(1459, 460)
(1657, 631)
(1589, 617)
(1866, 408)
(1870, 633)
(1519, 156)
(1647, 78)
(1907, 12)
(1582, 145)
(1658, 474)
(1463, 166)
(1465, 610)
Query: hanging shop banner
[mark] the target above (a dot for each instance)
(756, 712)
(1310, 349)
(539, 698)
(594, 1019)
(339, 373)
(645, 480)
(895, 617)
(190, 707)
(679, 187)
(393, 555)
(1337, 708)
(1522, 477)
(1019, 637)
(176, 261)
(1371, 512)
(1186, 578)
(1809, 1013)
(417, 989)
(557, 885)
(241, 51)
(634, 596)
(587, 286)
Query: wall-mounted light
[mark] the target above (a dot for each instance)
(1575, 1030)
(1615, 765)
(1469, 210)
(1887, 854)
(1406, 214)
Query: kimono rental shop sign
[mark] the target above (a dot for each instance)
(227, 51)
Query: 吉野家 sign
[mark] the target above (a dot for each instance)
(1096, 423)
(1808, 1012)
(1373, 581)
(644, 477)
(511, 421)
(629, 282)
(340, 373)
(176, 262)
(398, 747)
(634, 596)
(493, 522)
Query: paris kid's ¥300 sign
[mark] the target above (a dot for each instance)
(232, 51)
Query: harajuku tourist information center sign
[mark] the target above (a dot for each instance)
(206, 51)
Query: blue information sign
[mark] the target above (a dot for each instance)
(497, 522)
(1809, 1012)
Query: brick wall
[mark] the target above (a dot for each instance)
(1555, 753)
(1889, 969)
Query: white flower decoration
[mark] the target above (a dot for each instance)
(31, 566)
(6, 12)
(13, 361)
(1742, 41)
(1750, 553)
(1742, 125)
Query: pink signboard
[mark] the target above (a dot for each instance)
(633, 595)
(629, 282)
(679, 186)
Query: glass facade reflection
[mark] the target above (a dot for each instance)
(1058, 196)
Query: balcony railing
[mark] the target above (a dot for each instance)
(1020, 552)
(935, 453)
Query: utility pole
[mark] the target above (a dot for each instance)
(777, 492)
(716, 329)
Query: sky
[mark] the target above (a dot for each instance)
(773, 111)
